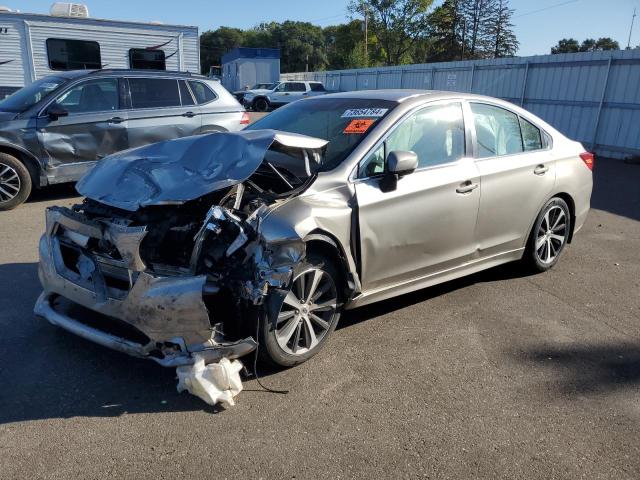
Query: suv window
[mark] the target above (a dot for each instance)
(317, 87)
(147, 59)
(73, 54)
(531, 137)
(297, 87)
(97, 95)
(202, 93)
(497, 131)
(154, 92)
(435, 134)
(185, 94)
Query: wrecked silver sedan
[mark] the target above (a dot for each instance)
(212, 245)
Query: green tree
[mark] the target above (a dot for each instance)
(301, 45)
(500, 29)
(444, 35)
(566, 45)
(397, 24)
(606, 43)
(477, 24)
(345, 46)
(215, 43)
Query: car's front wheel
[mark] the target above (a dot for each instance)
(549, 236)
(15, 182)
(309, 313)
(261, 105)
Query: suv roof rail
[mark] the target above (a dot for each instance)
(146, 70)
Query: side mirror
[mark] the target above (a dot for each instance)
(399, 163)
(55, 112)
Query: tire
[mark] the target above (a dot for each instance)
(15, 182)
(261, 105)
(278, 336)
(549, 236)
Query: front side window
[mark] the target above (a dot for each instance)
(154, 92)
(497, 131)
(202, 93)
(435, 134)
(73, 54)
(99, 95)
(141, 58)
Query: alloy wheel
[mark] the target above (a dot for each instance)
(307, 313)
(9, 183)
(551, 235)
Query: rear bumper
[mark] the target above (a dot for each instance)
(166, 314)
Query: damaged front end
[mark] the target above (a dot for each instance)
(165, 258)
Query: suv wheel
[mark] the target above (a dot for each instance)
(261, 105)
(549, 236)
(15, 182)
(309, 313)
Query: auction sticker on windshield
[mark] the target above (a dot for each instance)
(364, 112)
(359, 126)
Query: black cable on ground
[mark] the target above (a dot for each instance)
(255, 364)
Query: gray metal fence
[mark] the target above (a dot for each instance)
(591, 97)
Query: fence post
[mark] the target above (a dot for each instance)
(339, 81)
(604, 91)
(473, 70)
(377, 73)
(433, 79)
(524, 83)
(401, 76)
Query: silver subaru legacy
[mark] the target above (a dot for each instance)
(226, 243)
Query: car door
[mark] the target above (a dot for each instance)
(427, 224)
(517, 176)
(287, 92)
(160, 110)
(86, 122)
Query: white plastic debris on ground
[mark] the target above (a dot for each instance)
(213, 383)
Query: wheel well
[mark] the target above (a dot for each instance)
(261, 97)
(572, 211)
(325, 245)
(32, 165)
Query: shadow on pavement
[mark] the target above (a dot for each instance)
(616, 187)
(586, 369)
(53, 192)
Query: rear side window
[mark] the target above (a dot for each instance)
(73, 54)
(297, 87)
(317, 87)
(497, 131)
(154, 92)
(185, 94)
(531, 136)
(141, 58)
(202, 93)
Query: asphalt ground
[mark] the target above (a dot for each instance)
(497, 375)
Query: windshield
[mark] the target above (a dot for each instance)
(27, 97)
(344, 122)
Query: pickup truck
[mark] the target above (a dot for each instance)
(262, 100)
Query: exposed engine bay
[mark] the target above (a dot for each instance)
(157, 263)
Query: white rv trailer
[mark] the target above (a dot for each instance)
(34, 45)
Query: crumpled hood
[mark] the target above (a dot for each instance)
(176, 171)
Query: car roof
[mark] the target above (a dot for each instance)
(402, 95)
(117, 72)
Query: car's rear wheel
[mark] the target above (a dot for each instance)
(261, 105)
(15, 182)
(309, 314)
(549, 236)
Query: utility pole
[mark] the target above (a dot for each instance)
(631, 29)
(366, 34)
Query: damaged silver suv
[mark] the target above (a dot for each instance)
(221, 243)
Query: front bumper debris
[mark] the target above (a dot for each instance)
(166, 314)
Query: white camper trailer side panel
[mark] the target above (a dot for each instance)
(14, 56)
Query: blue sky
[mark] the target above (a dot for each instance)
(539, 24)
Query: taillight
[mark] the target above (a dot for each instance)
(589, 159)
(245, 119)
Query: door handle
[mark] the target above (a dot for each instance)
(287, 94)
(115, 120)
(540, 170)
(189, 114)
(467, 187)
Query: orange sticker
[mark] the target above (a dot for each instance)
(359, 125)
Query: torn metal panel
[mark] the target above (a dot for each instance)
(176, 171)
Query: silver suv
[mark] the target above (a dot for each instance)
(55, 129)
(282, 93)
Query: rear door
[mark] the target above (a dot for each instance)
(517, 176)
(288, 92)
(95, 124)
(161, 109)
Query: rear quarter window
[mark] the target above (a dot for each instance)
(202, 92)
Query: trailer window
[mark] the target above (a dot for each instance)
(154, 92)
(141, 58)
(73, 54)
